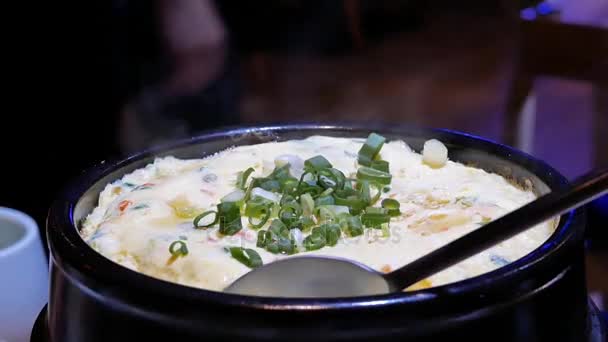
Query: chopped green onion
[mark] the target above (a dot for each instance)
(386, 230)
(276, 239)
(332, 233)
(312, 189)
(261, 242)
(350, 198)
(370, 149)
(375, 217)
(289, 185)
(246, 256)
(286, 245)
(316, 163)
(229, 216)
(259, 192)
(314, 241)
(373, 175)
(330, 213)
(258, 206)
(327, 192)
(336, 209)
(366, 194)
(392, 206)
(308, 204)
(203, 215)
(287, 198)
(241, 178)
(290, 212)
(352, 225)
(266, 212)
(280, 172)
(380, 165)
(324, 200)
(325, 214)
(271, 185)
(378, 193)
(324, 235)
(306, 222)
(278, 227)
(348, 184)
(331, 178)
(178, 248)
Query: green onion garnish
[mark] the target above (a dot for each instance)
(324, 200)
(380, 165)
(366, 194)
(271, 185)
(289, 185)
(276, 239)
(330, 178)
(332, 233)
(375, 217)
(258, 207)
(392, 206)
(178, 248)
(266, 212)
(370, 149)
(246, 256)
(373, 175)
(308, 204)
(324, 235)
(378, 193)
(316, 163)
(241, 178)
(229, 216)
(203, 215)
(314, 241)
(290, 212)
(352, 225)
(305, 223)
(287, 198)
(350, 198)
(280, 172)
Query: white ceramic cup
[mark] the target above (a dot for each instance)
(23, 275)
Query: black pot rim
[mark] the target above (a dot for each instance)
(83, 264)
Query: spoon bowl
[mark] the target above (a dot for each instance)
(311, 276)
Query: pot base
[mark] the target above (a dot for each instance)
(598, 326)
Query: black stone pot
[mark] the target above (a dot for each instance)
(540, 297)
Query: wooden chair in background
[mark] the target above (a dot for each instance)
(572, 44)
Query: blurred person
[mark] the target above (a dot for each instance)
(195, 85)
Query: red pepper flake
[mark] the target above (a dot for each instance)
(123, 205)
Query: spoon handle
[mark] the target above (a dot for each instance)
(584, 189)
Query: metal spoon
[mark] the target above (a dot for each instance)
(315, 276)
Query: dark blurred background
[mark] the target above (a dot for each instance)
(138, 73)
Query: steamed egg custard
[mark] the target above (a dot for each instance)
(206, 222)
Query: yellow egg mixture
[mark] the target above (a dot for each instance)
(139, 216)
